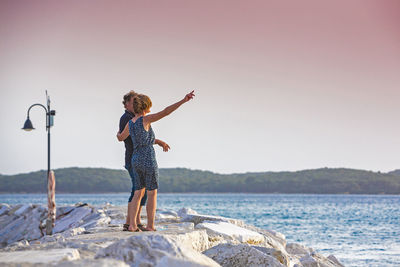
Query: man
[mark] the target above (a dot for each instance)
(125, 118)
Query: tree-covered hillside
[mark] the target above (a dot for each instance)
(318, 181)
(395, 172)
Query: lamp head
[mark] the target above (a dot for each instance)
(28, 125)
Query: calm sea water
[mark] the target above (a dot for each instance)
(360, 230)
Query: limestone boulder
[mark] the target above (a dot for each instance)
(92, 263)
(4, 208)
(167, 213)
(318, 260)
(298, 249)
(272, 238)
(282, 256)
(26, 222)
(154, 250)
(71, 220)
(39, 256)
(194, 239)
(166, 216)
(98, 218)
(19, 245)
(179, 226)
(60, 237)
(23, 209)
(238, 255)
(186, 211)
(196, 219)
(335, 260)
(17, 226)
(189, 215)
(231, 232)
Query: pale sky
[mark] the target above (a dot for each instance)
(280, 86)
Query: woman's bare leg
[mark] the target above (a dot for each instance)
(151, 209)
(137, 197)
(138, 216)
(128, 217)
(128, 213)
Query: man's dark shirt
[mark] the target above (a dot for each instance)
(128, 141)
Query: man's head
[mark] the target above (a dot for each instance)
(128, 101)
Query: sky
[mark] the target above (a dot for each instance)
(280, 85)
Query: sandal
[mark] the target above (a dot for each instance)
(136, 230)
(147, 230)
(125, 227)
(141, 227)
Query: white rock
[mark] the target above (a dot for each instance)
(176, 262)
(22, 227)
(12, 232)
(52, 238)
(186, 211)
(116, 214)
(298, 249)
(195, 239)
(14, 208)
(231, 232)
(317, 260)
(335, 260)
(240, 255)
(117, 222)
(198, 218)
(178, 244)
(281, 256)
(272, 238)
(39, 256)
(73, 219)
(4, 208)
(73, 232)
(160, 216)
(168, 212)
(277, 234)
(63, 210)
(23, 209)
(179, 226)
(92, 263)
(149, 250)
(96, 220)
(19, 244)
(308, 261)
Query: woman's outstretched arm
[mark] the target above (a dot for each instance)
(125, 133)
(168, 110)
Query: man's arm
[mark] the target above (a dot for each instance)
(162, 144)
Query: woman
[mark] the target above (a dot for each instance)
(125, 118)
(144, 164)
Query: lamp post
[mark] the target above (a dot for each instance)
(50, 175)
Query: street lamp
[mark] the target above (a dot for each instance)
(51, 215)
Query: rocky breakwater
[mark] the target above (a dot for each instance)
(92, 236)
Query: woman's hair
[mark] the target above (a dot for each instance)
(141, 103)
(128, 97)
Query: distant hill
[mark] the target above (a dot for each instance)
(395, 172)
(317, 181)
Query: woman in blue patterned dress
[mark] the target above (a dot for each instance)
(144, 164)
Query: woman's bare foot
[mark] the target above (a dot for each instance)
(147, 229)
(131, 229)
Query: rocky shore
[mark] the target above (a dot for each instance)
(92, 236)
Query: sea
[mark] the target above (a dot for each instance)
(360, 230)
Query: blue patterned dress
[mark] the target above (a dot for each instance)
(144, 164)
